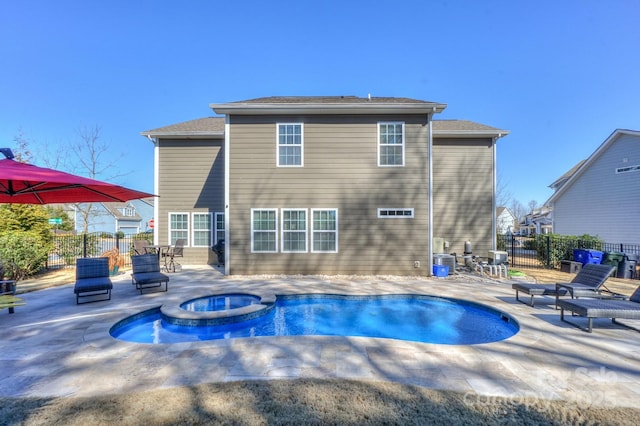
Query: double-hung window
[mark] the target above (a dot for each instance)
(324, 230)
(294, 230)
(290, 145)
(178, 227)
(264, 231)
(219, 230)
(202, 230)
(391, 144)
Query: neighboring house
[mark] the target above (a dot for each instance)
(601, 197)
(505, 221)
(538, 221)
(325, 185)
(131, 217)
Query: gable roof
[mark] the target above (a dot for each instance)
(592, 158)
(114, 209)
(563, 179)
(199, 128)
(500, 210)
(328, 105)
(465, 128)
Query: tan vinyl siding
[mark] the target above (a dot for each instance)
(340, 172)
(192, 180)
(463, 193)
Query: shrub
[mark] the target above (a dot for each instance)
(553, 248)
(23, 253)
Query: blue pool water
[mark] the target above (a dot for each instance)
(406, 317)
(220, 302)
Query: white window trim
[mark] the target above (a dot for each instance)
(169, 229)
(403, 143)
(402, 216)
(628, 169)
(193, 228)
(301, 144)
(276, 230)
(306, 230)
(215, 226)
(311, 230)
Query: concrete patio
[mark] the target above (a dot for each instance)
(53, 347)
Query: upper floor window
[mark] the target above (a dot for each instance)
(391, 144)
(128, 211)
(290, 140)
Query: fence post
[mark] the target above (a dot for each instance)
(84, 245)
(548, 238)
(118, 241)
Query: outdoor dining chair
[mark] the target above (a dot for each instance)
(169, 256)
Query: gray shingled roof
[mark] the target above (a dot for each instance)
(209, 126)
(330, 100)
(214, 126)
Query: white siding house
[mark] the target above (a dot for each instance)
(601, 197)
(505, 221)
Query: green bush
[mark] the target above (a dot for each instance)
(23, 253)
(553, 248)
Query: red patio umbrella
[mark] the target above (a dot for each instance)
(22, 183)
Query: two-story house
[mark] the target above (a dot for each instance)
(505, 222)
(130, 217)
(599, 195)
(325, 185)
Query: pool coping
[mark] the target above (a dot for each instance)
(59, 348)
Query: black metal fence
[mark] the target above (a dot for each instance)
(67, 248)
(548, 251)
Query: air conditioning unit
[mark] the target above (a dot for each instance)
(496, 257)
(445, 259)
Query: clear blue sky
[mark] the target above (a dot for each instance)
(560, 75)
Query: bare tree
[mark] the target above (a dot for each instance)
(22, 152)
(93, 158)
(503, 195)
(533, 204)
(517, 209)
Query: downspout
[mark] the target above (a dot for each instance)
(156, 180)
(430, 191)
(227, 216)
(494, 225)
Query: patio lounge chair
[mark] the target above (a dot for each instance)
(602, 308)
(92, 278)
(146, 272)
(586, 282)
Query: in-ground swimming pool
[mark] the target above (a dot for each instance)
(418, 318)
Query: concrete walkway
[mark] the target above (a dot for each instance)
(53, 347)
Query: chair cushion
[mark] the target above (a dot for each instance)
(145, 263)
(538, 289)
(602, 308)
(92, 267)
(86, 285)
(149, 277)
